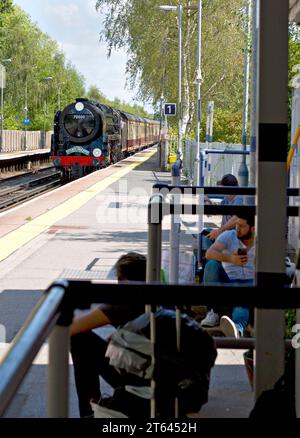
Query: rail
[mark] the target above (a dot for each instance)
(158, 208)
(54, 312)
(191, 160)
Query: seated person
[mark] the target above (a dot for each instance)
(88, 349)
(228, 222)
(231, 260)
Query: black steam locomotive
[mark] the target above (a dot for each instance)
(89, 135)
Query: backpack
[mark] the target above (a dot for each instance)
(184, 375)
(278, 402)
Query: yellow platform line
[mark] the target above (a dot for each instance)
(21, 236)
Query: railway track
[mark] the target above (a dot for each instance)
(21, 189)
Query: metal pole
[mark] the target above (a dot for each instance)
(179, 80)
(211, 124)
(243, 173)
(198, 81)
(254, 96)
(160, 150)
(44, 136)
(2, 105)
(209, 136)
(59, 98)
(297, 371)
(272, 126)
(175, 228)
(198, 124)
(58, 377)
(154, 238)
(153, 274)
(166, 150)
(26, 114)
(201, 202)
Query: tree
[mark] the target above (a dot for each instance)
(6, 6)
(35, 56)
(150, 37)
(294, 66)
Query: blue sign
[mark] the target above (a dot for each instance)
(26, 121)
(170, 109)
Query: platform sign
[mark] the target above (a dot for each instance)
(26, 121)
(170, 109)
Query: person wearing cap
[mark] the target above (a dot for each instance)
(228, 222)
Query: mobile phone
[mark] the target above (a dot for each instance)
(242, 251)
(205, 232)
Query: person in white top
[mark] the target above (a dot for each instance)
(231, 260)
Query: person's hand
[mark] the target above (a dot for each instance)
(214, 234)
(238, 260)
(207, 201)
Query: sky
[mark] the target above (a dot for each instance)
(76, 25)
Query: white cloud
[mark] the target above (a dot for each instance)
(67, 15)
(76, 26)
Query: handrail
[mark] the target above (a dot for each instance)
(212, 210)
(131, 293)
(225, 152)
(62, 298)
(217, 190)
(242, 343)
(18, 359)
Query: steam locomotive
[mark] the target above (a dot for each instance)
(89, 136)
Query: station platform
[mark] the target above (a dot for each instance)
(8, 156)
(79, 231)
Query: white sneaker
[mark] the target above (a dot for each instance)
(211, 320)
(228, 327)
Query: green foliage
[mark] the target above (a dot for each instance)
(6, 6)
(95, 94)
(151, 39)
(35, 56)
(294, 61)
(290, 320)
(228, 126)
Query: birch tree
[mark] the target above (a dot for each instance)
(150, 37)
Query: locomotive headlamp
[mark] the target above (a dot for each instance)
(97, 152)
(79, 106)
(57, 162)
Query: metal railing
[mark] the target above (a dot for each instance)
(54, 312)
(209, 164)
(158, 209)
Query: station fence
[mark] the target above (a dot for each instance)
(16, 141)
(215, 166)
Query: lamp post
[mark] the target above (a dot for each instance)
(243, 173)
(200, 173)
(175, 227)
(179, 9)
(160, 159)
(198, 82)
(2, 84)
(59, 95)
(46, 80)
